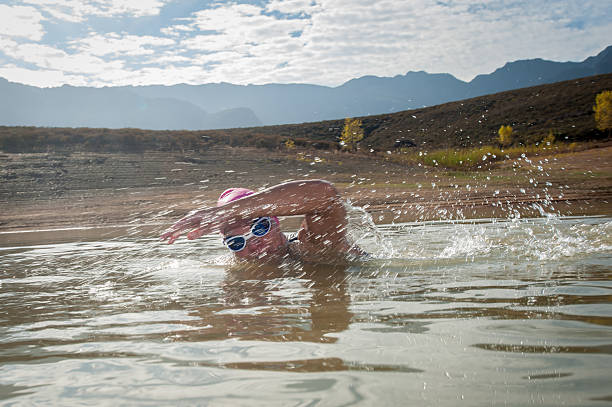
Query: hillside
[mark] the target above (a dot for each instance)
(564, 108)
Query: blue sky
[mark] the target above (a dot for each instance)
(327, 42)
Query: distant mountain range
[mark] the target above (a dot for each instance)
(223, 105)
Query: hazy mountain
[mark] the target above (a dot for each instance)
(224, 105)
(69, 106)
(271, 103)
(532, 72)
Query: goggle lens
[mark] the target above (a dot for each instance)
(236, 243)
(260, 228)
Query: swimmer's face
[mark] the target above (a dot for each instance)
(258, 248)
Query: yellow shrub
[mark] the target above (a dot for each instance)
(505, 135)
(603, 110)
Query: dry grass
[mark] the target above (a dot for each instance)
(481, 157)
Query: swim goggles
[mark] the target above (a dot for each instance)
(260, 228)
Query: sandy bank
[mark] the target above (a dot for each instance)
(63, 190)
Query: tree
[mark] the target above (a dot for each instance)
(289, 144)
(603, 110)
(505, 135)
(351, 134)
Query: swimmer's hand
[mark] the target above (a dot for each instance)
(198, 223)
(190, 222)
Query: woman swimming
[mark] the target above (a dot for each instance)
(247, 220)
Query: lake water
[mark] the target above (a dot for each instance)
(514, 312)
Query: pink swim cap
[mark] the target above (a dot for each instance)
(231, 194)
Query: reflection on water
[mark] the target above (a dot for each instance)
(488, 312)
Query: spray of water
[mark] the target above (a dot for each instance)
(363, 232)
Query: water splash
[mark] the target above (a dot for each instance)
(362, 232)
(517, 239)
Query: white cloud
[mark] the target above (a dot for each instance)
(176, 30)
(309, 41)
(243, 36)
(116, 44)
(41, 77)
(242, 19)
(292, 6)
(135, 8)
(53, 59)
(354, 38)
(80, 10)
(19, 21)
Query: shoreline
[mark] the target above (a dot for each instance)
(95, 190)
(381, 214)
(27, 237)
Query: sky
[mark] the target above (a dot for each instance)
(49, 43)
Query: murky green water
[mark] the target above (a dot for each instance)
(475, 313)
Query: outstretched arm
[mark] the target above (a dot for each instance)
(318, 200)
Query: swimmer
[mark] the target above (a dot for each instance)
(250, 227)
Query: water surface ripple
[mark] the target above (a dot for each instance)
(489, 312)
